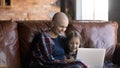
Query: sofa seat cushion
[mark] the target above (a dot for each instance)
(109, 64)
(3, 60)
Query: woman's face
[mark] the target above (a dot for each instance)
(74, 44)
(60, 27)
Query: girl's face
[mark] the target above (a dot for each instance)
(74, 44)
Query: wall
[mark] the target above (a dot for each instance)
(30, 10)
(114, 13)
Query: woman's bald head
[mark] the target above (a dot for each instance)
(60, 17)
(59, 23)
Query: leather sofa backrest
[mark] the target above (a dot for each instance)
(97, 34)
(9, 45)
(27, 31)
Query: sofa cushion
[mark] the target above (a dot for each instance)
(98, 34)
(9, 47)
(27, 31)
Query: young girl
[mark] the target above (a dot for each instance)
(73, 40)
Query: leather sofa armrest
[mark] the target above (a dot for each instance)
(116, 55)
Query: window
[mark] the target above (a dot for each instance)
(5, 3)
(92, 9)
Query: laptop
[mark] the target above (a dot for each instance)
(92, 57)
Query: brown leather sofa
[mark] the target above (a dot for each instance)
(16, 37)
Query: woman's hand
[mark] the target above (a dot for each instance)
(70, 59)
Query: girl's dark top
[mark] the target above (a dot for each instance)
(67, 52)
(73, 55)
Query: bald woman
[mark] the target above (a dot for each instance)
(59, 25)
(48, 47)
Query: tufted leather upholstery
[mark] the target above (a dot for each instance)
(9, 45)
(97, 35)
(16, 37)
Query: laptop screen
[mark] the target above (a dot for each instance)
(92, 57)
